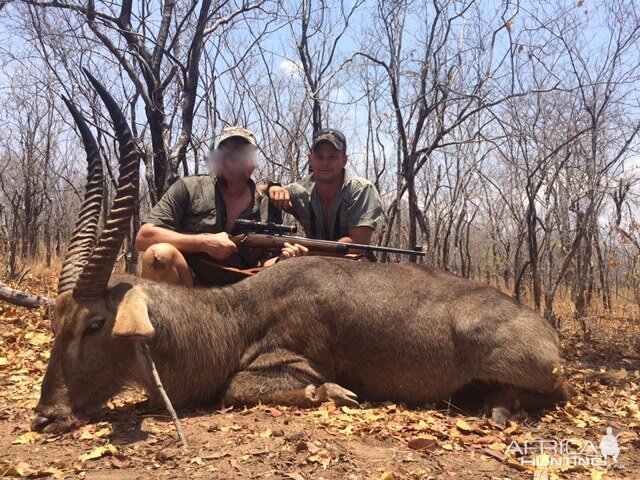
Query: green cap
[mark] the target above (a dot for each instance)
(331, 135)
(239, 132)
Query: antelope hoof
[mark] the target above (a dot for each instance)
(55, 426)
(499, 415)
(334, 392)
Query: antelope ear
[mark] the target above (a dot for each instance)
(132, 318)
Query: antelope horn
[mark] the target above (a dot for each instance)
(96, 272)
(86, 229)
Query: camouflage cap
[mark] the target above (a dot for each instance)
(237, 131)
(335, 137)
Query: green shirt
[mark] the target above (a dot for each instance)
(356, 204)
(195, 205)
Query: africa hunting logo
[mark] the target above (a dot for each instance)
(568, 452)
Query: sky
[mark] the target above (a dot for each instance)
(343, 99)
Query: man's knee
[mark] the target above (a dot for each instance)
(161, 257)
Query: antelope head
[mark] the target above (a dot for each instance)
(89, 349)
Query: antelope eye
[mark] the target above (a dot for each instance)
(95, 325)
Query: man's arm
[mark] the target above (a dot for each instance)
(361, 235)
(280, 197)
(363, 213)
(365, 205)
(216, 245)
(289, 250)
(163, 223)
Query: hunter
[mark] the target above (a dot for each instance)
(330, 203)
(196, 217)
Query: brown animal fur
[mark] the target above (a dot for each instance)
(299, 333)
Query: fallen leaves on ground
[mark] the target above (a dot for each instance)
(382, 441)
(24, 470)
(99, 452)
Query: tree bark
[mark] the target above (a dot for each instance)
(23, 299)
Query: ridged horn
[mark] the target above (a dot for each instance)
(95, 275)
(86, 228)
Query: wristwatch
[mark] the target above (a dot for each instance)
(272, 184)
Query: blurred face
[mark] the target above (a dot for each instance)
(234, 160)
(327, 163)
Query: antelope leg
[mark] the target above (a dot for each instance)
(292, 382)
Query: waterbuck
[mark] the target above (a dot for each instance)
(302, 332)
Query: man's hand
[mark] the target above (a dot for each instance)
(217, 245)
(293, 250)
(279, 197)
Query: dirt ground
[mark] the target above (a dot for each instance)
(381, 441)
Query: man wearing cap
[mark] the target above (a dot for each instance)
(196, 217)
(330, 203)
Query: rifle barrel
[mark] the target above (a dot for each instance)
(348, 246)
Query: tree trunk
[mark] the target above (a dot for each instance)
(23, 299)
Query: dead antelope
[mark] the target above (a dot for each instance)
(300, 333)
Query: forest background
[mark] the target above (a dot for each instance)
(502, 135)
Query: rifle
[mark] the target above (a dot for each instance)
(273, 235)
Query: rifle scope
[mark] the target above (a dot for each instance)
(272, 228)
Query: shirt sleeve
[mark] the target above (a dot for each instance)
(268, 213)
(364, 207)
(299, 199)
(172, 208)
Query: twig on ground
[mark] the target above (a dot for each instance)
(163, 394)
(22, 275)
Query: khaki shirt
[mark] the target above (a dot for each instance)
(356, 204)
(195, 205)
